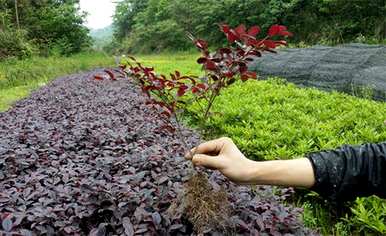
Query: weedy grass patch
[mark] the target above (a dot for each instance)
(19, 77)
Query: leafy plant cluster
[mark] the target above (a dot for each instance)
(152, 25)
(77, 158)
(15, 43)
(221, 67)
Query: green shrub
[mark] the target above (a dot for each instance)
(369, 216)
(15, 44)
(275, 120)
(161, 36)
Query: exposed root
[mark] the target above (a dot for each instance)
(204, 207)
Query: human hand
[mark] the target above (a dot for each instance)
(223, 155)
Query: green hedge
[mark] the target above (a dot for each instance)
(275, 120)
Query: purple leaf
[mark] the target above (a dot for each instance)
(156, 218)
(7, 224)
(128, 226)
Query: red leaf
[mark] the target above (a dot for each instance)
(167, 127)
(217, 59)
(149, 87)
(269, 44)
(182, 90)
(167, 114)
(242, 67)
(241, 30)
(282, 28)
(98, 77)
(285, 33)
(251, 42)
(148, 69)
(201, 44)
(240, 52)
(281, 42)
(201, 86)
(111, 74)
(254, 53)
(248, 75)
(225, 51)
(201, 60)
(278, 30)
(253, 31)
(225, 28)
(169, 84)
(195, 90)
(229, 74)
(252, 74)
(135, 70)
(273, 30)
(210, 65)
(232, 37)
(173, 77)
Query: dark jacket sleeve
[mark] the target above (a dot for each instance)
(350, 171)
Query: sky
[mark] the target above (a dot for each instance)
(100, 12)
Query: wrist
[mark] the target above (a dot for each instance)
(253, 172)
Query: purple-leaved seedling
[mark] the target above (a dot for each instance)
(167, 94)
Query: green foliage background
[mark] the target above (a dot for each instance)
(46, 27)
(155, 25)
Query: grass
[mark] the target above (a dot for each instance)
(169, 62)
(277, 120)
(19, 77)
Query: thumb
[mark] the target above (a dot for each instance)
(211, 162)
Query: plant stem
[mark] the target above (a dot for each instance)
(211, 101)
(179, 130)
(17, 15)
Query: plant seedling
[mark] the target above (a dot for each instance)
(168, 94)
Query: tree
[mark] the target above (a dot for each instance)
(155, 25)
(53, 25)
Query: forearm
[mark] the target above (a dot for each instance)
(350, 171)
(287, 173)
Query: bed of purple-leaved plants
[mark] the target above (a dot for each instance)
(86, 157)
